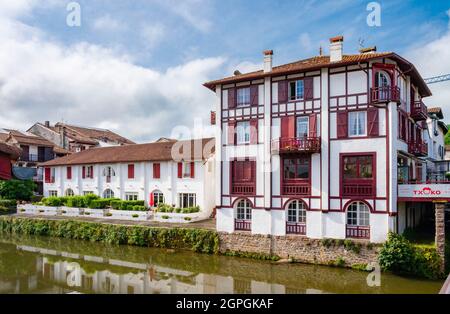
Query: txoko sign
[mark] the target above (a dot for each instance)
(424, 191)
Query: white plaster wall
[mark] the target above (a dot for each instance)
(379, 228)
(314, 224)
(337, 84)
(261, 221)
(334, 225)
(225, 220)
(357, 82)
(278, 222)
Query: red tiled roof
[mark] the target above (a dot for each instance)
(25, 139)
(12, 151)
(161, 151)
(437, 111)
(319, 62)
(92, 135)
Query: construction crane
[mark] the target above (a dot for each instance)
(437, 79)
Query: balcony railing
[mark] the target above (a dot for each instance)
(419, 111)
(242, 225)
(418, 148)
(239, 188)
(358, 189)
(31, 158)
(295, 228)
(296, 189)
(287, 145)
(357, 232)
(385, 94)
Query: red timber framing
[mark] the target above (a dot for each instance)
(358, 186)
(243, 177)
(357, 232)
(295, 186)
(384, 94)
(419, 111)
(295, 228)
(242, 225)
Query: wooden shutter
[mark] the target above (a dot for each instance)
(254, 131)
(83, 175)
(180, 170)
(342, 124)
(69, 173)
(309, 88)
(231, 132)
(156, 171)
(372, 121)
(313, 125)
(254, 95)
(92, 171)
(192, 169)
(288, 127)
(47, 175)
(232, 98)
(131, 171)
(282, 92)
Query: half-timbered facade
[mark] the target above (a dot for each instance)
(313, 147)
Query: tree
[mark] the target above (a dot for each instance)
(17, 189)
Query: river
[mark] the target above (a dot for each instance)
(53, 265)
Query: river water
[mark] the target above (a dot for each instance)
(49, 265)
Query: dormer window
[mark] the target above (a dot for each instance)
(243, 97)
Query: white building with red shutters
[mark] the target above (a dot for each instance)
(178, 173)
(326, 147)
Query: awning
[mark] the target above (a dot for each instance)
(23, 173)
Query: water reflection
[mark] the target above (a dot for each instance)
(45, 265)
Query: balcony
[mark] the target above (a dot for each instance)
(385, 94)
(247, 188)
(358, 189)
(242, 225)
(357, 232)
(419, 111)
(293, 189)
(295, 228)
(296, 145)
(419, 149)
(31, 158)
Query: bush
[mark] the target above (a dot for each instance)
(17, 189)
(100, 203)
(8, 203)
(139, 208)
(400, 256)
(164, 208)
(76, 202)
(52, 201)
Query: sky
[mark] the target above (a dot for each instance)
(137, 67)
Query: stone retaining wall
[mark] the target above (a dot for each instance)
(299, 248)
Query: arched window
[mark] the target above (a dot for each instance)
(358, 214)
(69, 192)
(158, 198)
(382, 79)
(296, 212)
(108, 193)
(244, 210)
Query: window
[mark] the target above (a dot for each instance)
(187, 200)
(131, 196)
(158, 198)
(69, 192)
(108, 172)
(88, 172)
(357, 123)
(243, 132)
(69, 173)
(50, 175)
(52, 193)
(382, 79)
(87, 193)
(243, 97)
(296, 90)
(156, 171)
(186, 170)
(244, 210)
(296, 212)
(131, 171)
(358, 167)
(358, 214)
(108, 193)
(243, 170)
(302, 127)
(297, 168)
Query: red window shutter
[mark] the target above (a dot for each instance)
(47, 175)
(288, 127)
(313, 125)
(131, 171)
(282, 92)
(92, 171)
(254, 131)
(192, 169)
(69, 173)
(156, 171)
(254, 95)
(232, 98)
(342, 124)
(83, 175)
(372, 119)
(180, 170)
(231, 132)
(309, 88)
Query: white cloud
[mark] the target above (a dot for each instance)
(152, 34)
(90, 85)
(194, 12)
(306, 42)
(107, 23)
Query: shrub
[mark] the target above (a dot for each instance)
(3, 209)
(139, 208)
(17, 189)
(135, 216)
(165, 217)
(352, 246)
(8, 203)
(340, 262)
(52, 201)
(76, 202)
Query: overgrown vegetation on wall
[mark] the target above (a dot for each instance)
(197, 240)
(401, 256)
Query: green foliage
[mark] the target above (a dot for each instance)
(17, 189)
(164, 208)
(400, 256)
(361, 267)
(198, 240)
(8, 203)
(260, 256)
(352, 246)
(128, 205)
(76, 201)
(52, 201)
(326, 242)
(447, 137)
(339, 262)
(101, 203)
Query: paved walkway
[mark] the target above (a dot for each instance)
(209, 224)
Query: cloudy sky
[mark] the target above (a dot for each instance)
(137, 66)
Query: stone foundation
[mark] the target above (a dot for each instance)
(299, 248)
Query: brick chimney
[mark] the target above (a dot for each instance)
(47, 124)
(268, 56)
(336, 48)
